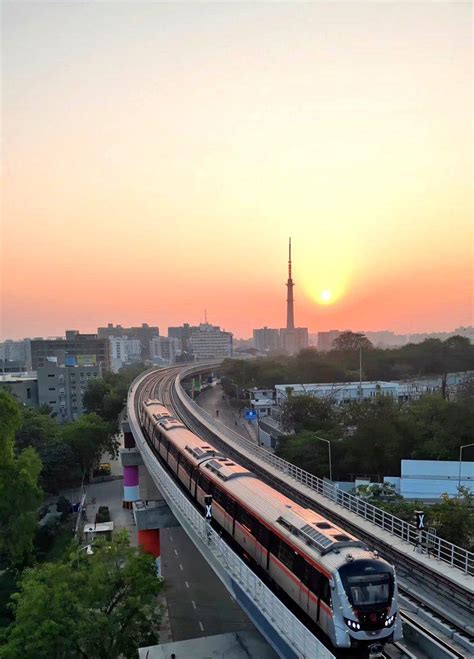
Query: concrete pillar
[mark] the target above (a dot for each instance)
(149, 541)
(131, 488)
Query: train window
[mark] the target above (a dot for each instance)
(173, 450)
(286, 555)
(312, 579)
(206, 484)
(299, 566)
(325, 590)
(247, 520)
(165, 443)
(185, 464)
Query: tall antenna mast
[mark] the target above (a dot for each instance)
(290, 316)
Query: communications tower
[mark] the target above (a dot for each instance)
(290, 314)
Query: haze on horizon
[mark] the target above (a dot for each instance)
(158, 156)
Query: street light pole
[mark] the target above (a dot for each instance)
(460, 463)
(321, 439)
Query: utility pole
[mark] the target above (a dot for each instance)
(360, 372)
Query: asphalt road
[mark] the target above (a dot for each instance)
(198, 603)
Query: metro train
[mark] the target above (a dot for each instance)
(348, 591)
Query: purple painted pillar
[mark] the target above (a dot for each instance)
(131, 490)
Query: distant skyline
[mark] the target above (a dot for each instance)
(158, 155)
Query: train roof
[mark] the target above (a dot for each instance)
(187, 442)
(314, 535)
(225, 469)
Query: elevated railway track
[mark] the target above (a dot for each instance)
(445, 606)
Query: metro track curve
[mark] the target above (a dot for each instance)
(161, 385)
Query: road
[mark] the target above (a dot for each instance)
(198, 603)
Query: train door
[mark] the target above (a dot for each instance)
(305, 569)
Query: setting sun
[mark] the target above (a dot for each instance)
(325, 296)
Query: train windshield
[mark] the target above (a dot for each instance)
(367, 582)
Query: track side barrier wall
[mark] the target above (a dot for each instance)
(287, 635)
(443, 550)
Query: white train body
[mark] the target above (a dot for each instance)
(347, 590)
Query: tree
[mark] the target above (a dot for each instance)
(42, 433)
(351, 341)
(98, 606)
(306, 451)
(20, 494)
(453, 518)
(89, 437)
(308, 413)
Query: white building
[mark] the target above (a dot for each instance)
(164, 349)
(261, 400)
(122, 351)
(429, 479)
(209, 342)
(338, 392)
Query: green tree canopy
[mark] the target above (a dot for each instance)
(98, 606)
(351, 341)
(88, 438)
(20, 495)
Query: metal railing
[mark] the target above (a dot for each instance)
(293, 633)
(441, 549)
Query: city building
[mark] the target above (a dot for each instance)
(338, 392)
(62, 388)
(428, 479)
(22, 386)
(209, 342)
(143, 333)
(85, 348)
(402, 391)
(261, 400)
(292, 339)
(326, 339)
(164, 349)
(183, 333)
(16, 351)
(266, 339)
(123, 351)
(12, 367)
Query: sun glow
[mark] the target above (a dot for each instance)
(325, 296)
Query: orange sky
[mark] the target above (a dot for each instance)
(158, 156)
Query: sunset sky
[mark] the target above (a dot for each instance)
(156, 157)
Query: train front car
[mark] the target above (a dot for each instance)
(368, 602)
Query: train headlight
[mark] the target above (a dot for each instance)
(353, 624)
(389, 622)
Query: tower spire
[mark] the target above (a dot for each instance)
(290, 318)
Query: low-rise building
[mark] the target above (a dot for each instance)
(22, 386)
(261, 400)
(429, 479)
(338, 392)
(62, 388)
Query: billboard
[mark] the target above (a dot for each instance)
(69, 360)
(86, 360)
